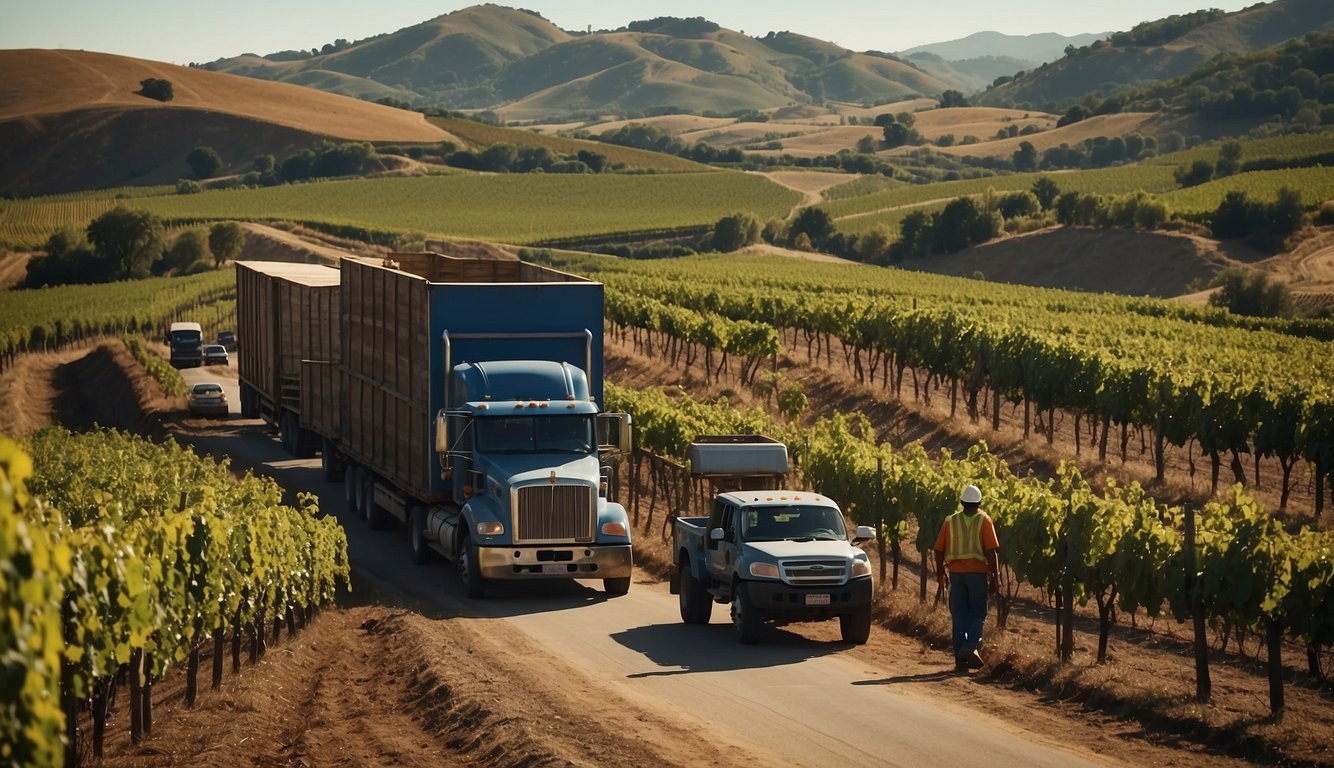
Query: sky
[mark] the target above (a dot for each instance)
(184, 31)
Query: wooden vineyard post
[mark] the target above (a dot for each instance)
(1067, 596)
(136, 695)
(1274, 640)
(1203, 687)
(192, 676)
(880, 514)
(219, 641)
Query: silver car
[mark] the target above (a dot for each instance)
(206, 399)
(215, 354)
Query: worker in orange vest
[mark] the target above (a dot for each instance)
(965, 556)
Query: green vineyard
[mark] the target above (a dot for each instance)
(122, 555)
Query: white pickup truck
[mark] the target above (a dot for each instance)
(774, 555)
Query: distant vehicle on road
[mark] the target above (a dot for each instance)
(215, 354)
(206, 399)
(228, 340)
(185, 340)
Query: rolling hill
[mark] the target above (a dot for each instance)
(75, 120)
(521, 66)
(1162, 50)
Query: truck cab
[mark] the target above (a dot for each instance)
(773, 555)
(521, 451)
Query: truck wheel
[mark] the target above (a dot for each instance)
(696, 603)
(307, 442)
(616, 586)
(421, 552)
(746, 620)
(329, 460)
(350, 486)
(856, 626)
(363, 490)
(470, 571)
(376, 519)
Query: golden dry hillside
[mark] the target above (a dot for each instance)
(36, 83)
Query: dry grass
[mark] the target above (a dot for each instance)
(1103, 125)
(39, 82)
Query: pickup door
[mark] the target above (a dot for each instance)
(720, 554)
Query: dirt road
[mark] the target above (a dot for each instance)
(792, 700)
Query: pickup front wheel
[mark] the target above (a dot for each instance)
(696, 603)
(746, 620)
(856, 626)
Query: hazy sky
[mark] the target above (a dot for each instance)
(181, 31)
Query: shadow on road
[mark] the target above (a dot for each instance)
(681, 649)
(921, 677)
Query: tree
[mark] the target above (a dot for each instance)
(67, 260)
(1019, 203)
(867, 145)
(873, 247)
(1254, 295)
(815, 223)
(156, 88)
(1198, 173)
(204, 162)
(1229, 159)
(883, 119)
(1026, 157)
(225, 240)
(952, 98)
(897, 134)
(130, 240)
(189, 248)
(1046, 191)
(954, 228)
(735, 232)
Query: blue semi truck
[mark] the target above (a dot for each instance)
(462, 397)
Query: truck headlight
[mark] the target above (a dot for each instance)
(764, 570)
(861, 567)
(615, 528)
(485, 528)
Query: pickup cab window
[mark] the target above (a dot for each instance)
(723, 516)
(795, 522)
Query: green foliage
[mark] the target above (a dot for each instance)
(814, 223)
(156, 88)
(1252, 294)
(189, 247)
(225, 240)
(204, 162)
(130, 239)
(792, 400)
(166, 375)
(735, 232)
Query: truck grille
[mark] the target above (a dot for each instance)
(815, 572)
(554, 513)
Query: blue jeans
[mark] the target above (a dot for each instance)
(968, 609)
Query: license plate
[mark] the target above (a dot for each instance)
(817, 599)
(555, 569)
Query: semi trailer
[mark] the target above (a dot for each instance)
(461, 397)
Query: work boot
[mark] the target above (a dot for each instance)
(960, 665)
(972, 660)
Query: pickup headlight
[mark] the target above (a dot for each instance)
(860, 567)
(764, 570)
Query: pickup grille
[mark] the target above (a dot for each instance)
(553, 513)
(815, 572)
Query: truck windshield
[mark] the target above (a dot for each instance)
(796, 522)
(186, 339)
(536, 434)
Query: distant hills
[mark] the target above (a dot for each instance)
(1161, 50)
(522, 66)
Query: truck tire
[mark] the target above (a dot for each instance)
(856, 626)
(746, 621)
(350, 486)
(307, 442)
(696, 603)
(376, 519)
(421, 551)
(363, 488)
(616, 586)
(470, 571)
(329, 464)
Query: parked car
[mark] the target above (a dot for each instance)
(215, 354)
(228, 340)
(206, 399)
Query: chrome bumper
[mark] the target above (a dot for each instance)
(557, 562)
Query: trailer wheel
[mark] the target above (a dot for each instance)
(363, 489)
(746, 620)
(616, 586)
(421, 551)
(856, 626)
(307, 442)
(696, 603)
(376, 519)
(350, 486)
(470, 571)
(329, 463)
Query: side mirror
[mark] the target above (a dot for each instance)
(441, 432)
(864, 532)
(614, 432)
(716, 534)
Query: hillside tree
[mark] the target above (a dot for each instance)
(1046, 191)
(156, 88)
(815, 223)
(735, 232)
(129, 240)
(204, 162)
(225, 240)
(189, 247)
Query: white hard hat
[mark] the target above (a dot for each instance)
(971, 495)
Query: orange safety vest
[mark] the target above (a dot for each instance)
(965, 537)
